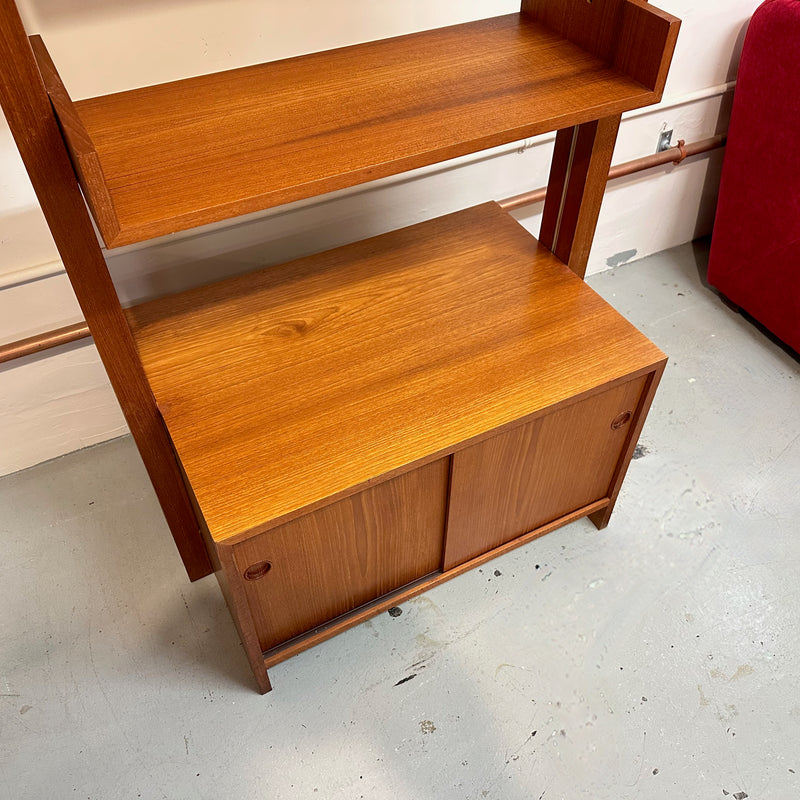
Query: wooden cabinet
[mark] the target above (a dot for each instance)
(394, 539)
(307, 572)
(336, 434)
(528, 476)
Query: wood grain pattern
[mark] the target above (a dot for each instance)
(646, 44)
(203, 149)
(555, 196)
(522, 479)
(230, 585)
(578, 177)
(233, 591)
(347, 621)
(591, 24)
(364, 360)
(79, 143)
(636, 37)
(333, 560)
(601, 518)
(30, 116)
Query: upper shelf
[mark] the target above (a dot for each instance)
(166, 158)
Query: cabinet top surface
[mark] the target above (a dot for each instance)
(196, 151)
(287, 386)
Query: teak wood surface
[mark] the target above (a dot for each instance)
(287, 387)
(195, 151)
(524, 478)
(333, 560)
(601, 517)
(346, 621)
(636, 37)
(575, 190)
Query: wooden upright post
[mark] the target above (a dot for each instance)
(30, 116)
(578, 177)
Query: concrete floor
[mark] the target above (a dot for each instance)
(659, 658)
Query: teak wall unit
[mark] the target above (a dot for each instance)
(340, 433)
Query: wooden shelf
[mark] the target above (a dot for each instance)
(292, 386)
(166, 158)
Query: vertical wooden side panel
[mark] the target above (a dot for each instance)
(636, 37)
(81, 148)
(601, 518)
(557, 186)
(591, 24)
(578, 178)
(533, 474)
(233, 590)
(646, 44)
(309, 571)
(30, 116)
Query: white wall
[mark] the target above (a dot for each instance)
(60, 401)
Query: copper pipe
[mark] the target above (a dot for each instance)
(72, 333)
(43, 341)
(672, 155)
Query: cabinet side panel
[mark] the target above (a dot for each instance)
(646, 44)
(601, 518)
(533, 474)
(594, 25)
(334, 560)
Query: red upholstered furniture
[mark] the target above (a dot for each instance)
(755, 252)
